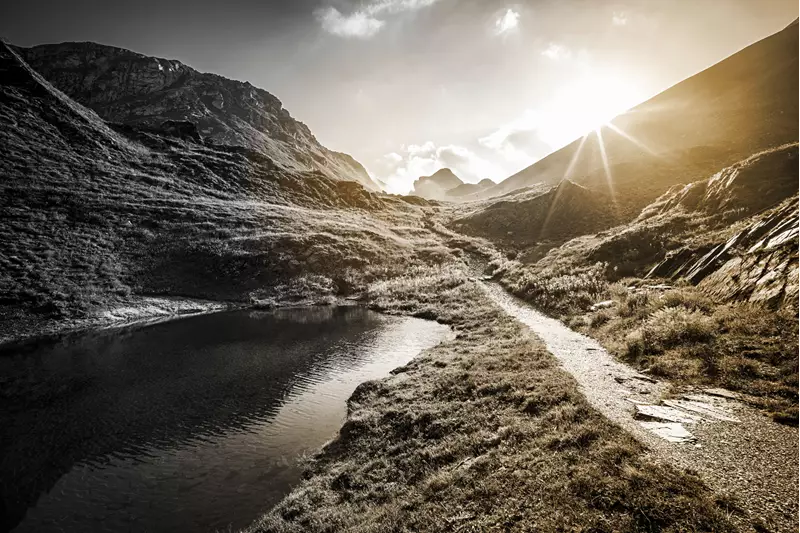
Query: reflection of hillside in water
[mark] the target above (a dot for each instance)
(87, 401)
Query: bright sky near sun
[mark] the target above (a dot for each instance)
(485, 87)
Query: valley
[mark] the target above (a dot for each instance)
(607, 280)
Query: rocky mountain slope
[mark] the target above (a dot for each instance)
(133, 89)
(756, 259)
(445, 185)
(744, 214)
(97, 214)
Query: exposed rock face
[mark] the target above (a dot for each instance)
(759, 262)
(437, 185)
(130, 88)
(767, 271)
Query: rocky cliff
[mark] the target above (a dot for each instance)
(756, 260)
(129, 88)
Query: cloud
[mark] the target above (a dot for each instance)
(399, 170)
(396, 6)
(557, 52)
(518, 142)
(363, 23)
(507, 22)
(358, 25)
(620, 18)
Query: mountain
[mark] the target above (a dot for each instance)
(468, 189)
(99, 215)
(437, 185)
(560, 213)
(737, 107)
(129, 88)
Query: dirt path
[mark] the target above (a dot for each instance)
(734, 448)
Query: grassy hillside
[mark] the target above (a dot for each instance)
(96, 214)
(701, 288)
(739, 106)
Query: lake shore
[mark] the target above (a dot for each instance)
(136, 311)
(143, 311)
(485, 432)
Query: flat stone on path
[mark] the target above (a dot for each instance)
(669, 431)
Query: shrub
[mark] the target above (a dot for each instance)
(634, 344)
(634, 303)
(688, 297)
(674, 326)
(599, 318)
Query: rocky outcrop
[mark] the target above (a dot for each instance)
(750, 186)
(765, 271)
(757, 263)
(133, 89)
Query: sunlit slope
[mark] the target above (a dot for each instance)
(739, 106)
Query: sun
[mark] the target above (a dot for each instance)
(585, 104)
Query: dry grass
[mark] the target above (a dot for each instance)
(484, 432)
(685, 336)
(561, 291)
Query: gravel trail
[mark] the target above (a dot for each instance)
(735, 449)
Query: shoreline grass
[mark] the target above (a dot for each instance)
(484, 432)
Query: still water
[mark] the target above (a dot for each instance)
(188, 425)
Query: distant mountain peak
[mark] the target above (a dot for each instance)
(437, 184)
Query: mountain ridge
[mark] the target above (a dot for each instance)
(711, 102)
(131, 88)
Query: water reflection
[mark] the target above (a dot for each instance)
(194, 424)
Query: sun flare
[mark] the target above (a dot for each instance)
(585, 105)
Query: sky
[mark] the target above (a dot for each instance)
(484, 87)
